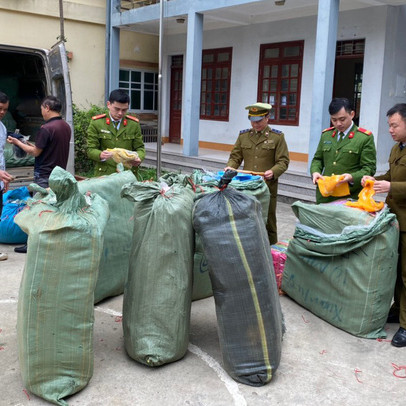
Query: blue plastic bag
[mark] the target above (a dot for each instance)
(13, 202)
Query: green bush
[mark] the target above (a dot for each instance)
(81, 121)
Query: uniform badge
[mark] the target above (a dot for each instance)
(363, 130)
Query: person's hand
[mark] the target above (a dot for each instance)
(381, 186)
(268, 175)
(347, 178)
(6, 178)
(316, 176)
(136, 162)
(12, 140)
(229, 168)
(105, 155)
(365, 178)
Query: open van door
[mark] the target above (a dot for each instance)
(60, 87)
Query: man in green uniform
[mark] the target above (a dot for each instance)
(114, 130)
(344, 149)
(263, 149)
(393, 182)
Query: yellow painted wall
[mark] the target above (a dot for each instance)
(140, 47)
(35, 23)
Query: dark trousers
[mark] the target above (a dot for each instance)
(41, 180)
(271, 223)
(400, 287)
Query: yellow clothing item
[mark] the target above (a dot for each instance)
(124, 156)
(365, 200)
(328, 186)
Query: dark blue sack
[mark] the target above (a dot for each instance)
(13, 202)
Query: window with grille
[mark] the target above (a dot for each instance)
(215, 86)
(280, 75)
(142, 87)
(350, 49)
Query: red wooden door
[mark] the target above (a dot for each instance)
(175, 119)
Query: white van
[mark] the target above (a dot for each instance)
(27, 75)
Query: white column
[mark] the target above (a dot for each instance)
(112, 48)
(192, 80)
(324, 64)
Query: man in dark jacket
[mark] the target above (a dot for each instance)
(51, 147)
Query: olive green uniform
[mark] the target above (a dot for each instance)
(355, 154)
(102, 134)
(396, 200)
(260, 152)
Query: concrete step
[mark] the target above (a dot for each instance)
(185, 164)
(292, 185)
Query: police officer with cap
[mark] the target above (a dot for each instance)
(262, 149)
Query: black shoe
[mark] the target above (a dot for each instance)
(399, 339)
(21, 250)
(393, 316)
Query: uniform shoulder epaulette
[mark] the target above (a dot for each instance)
(328, 129)
(133, 118)
(274, 130)
(98, 116)
(363, 130)
(245, 131)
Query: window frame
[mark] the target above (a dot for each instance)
(142, 89)
(203, 84)
(279, 62)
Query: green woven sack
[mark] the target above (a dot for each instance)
(249, 315)
(114, 261)
(207, 183)
(341, 265)
(157, 297)
(55, 305)
(11, 159)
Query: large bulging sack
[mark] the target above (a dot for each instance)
(202, 182)
(114, 260)
(341, 265)
(13, 202)
(249, 315)
(55, 304)
(157, 297)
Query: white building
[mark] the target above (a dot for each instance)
(220, 55)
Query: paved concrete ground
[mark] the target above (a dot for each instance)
(321, 365)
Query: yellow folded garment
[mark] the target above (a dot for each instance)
(328, 186)
(124, 156)
(365, 200)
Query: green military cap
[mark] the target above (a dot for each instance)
(257, 111)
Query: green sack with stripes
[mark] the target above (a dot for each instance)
(249, 316)
(201, 183)
(114, 260)
(157, 296)
(55, 304)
